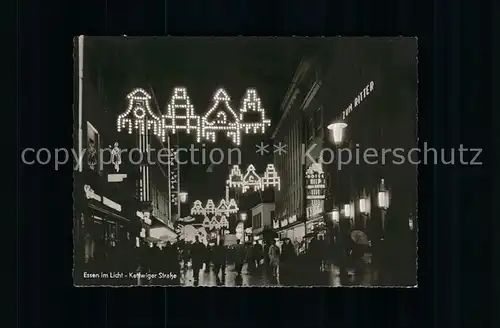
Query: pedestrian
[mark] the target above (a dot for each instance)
(288, 260)
(172, 267)
(274, 258)
(314, 252)
(239, 257)
(219, 258)
(257, 254)
(322, 248)
(197, 254)
(207, 257)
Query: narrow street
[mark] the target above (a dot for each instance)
(331, 278)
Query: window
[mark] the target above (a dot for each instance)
(257, 221)
(93, 148)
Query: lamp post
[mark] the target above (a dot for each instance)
(383, 202)
(337, 134)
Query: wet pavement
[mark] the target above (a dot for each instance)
(331, 276)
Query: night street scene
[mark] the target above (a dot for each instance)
(245, 162)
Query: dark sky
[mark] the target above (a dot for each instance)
(201, 65)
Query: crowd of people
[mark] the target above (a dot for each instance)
(280, 261)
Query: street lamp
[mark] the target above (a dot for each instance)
(383, 201)
(364, 208)
(243, 216)
(337, 131)
(183, 196)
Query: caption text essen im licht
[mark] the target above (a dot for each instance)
(129, 275)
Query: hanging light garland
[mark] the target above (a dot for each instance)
(223, 209)
(180, 116)
(251, 181)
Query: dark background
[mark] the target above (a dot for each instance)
(455, 267)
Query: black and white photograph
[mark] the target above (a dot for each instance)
(245, 161)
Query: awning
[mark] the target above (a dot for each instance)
(162, 233)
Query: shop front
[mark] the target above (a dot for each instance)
(106, 230)
(292, 229)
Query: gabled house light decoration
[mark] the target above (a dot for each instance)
(197, 208)
(224, 208)
(180, 116)
(224, 223)
(210, 207)
(251, 181)
(138, 114)
(251, 103)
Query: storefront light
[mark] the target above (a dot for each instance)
(383, 196)
(335, 216)
(337, 130)
(364, 205)
(347, 210)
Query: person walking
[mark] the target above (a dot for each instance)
(219, 258)
(287, 261)
(197, 258)
(274, 258)
(239, 257)
(257, 255)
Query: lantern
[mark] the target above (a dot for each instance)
(364, 205)
(243, 216)
(183, 196)
(383, 196)
(337, 130)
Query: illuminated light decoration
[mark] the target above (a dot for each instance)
(225, 119)
(214, 224)
(235, 177)
(206, 223)
(180, 114)
(315, 182)
(251, 180)
(224, 223)
(252, 103)
(210, 207)
(232, 207)
(197, 208)
(222, 208)
(271, 178)
(116, 157)
(141, 118)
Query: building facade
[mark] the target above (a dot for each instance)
(370, 85)
(262, 217)
(110, 223)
